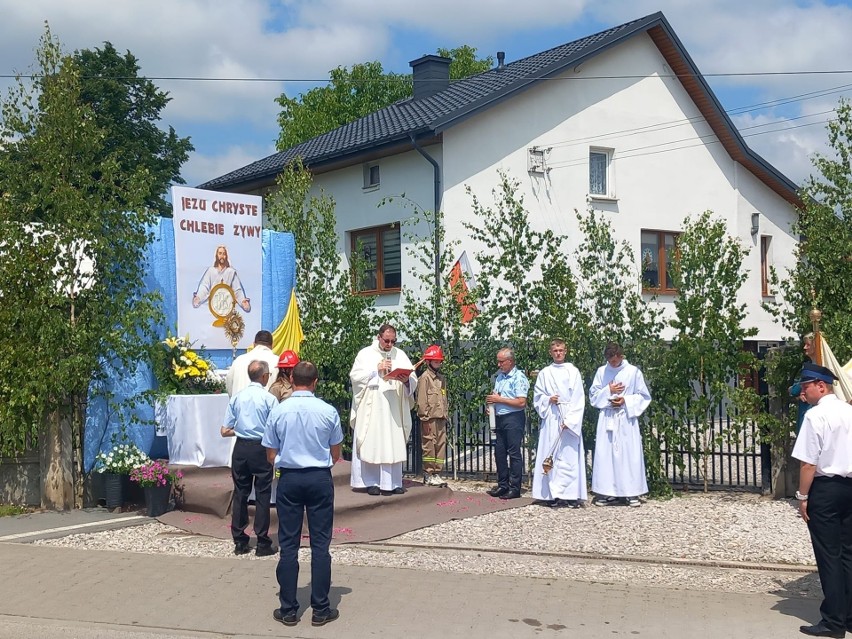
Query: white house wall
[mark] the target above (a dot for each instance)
(667, 164)
(774, 221)
(358, 208)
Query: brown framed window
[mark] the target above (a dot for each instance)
(658, 255)
(765, 264)
(380, 252)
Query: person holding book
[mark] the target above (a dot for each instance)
(383, 387)
(621, 395)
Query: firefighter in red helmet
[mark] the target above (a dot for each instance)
(432, 409)
(282, 387)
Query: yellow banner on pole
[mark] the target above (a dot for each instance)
(288, 336)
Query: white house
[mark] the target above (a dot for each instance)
(622, 119)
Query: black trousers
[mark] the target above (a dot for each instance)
(299, 491)
(507, 449)
(250, 467)
(830, 525)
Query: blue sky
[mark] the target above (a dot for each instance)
(233, 123)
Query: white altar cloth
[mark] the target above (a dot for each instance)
(192, 428)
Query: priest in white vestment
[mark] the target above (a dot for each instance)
(381, 415)
(619, 391)
(559, 399)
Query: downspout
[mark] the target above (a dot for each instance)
(436, 168)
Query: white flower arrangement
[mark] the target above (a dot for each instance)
(120, 459)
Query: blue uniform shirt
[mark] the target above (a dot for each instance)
(248, 410)
(302, 430)
(513, 384)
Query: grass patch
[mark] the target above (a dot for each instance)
(7, 510)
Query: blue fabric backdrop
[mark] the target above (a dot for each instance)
(104, 417)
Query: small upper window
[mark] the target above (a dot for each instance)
(600, 173)
(372, 177)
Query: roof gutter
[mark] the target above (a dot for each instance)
(436, 170)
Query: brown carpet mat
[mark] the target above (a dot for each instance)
(205, 499)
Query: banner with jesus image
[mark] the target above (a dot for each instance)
(218, 261)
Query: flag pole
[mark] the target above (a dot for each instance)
(816, 316)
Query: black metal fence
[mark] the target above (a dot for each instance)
(733, 463)
(737, 461)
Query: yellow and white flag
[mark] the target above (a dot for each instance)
(843, 386)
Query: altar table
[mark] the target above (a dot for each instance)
(191, 424)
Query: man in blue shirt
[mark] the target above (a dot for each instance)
(305, 434)
(246, 420)
(509, 401)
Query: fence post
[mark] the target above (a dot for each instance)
(766, 469)
(417, 448)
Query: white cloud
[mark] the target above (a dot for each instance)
(202, 167)
(193, 38)
(303, 39)
(469, 20)
(788, 144)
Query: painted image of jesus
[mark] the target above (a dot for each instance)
(220, 273)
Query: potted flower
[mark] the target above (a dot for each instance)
(180, 370)
(156, 479)
(116, 464)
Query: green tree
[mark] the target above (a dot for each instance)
(352, 93)
(824, 254)
(128, 109)
(433, 315)
(522, 278)
(706, 354)
(611, 308)
(823, 265)
(64, 200)
(337, 322)
(513, 254)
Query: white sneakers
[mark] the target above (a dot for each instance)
(633, 502)
(434, 480)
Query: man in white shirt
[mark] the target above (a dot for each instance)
(238, 378)
(824, 446)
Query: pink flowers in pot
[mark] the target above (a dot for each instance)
(155, 473)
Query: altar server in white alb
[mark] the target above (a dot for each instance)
(381, 415)
(619, 391)
(560, 400)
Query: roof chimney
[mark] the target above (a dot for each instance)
(431, 75)
(501, 59)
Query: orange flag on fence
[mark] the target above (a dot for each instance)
(462, 282)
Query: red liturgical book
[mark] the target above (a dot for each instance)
(398, 374)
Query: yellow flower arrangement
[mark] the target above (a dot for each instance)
(180, 370)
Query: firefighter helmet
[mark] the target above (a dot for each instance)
(434, 354)
(288, 359)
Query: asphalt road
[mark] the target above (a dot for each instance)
(66, 593)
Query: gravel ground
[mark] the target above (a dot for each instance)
(730, 527)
